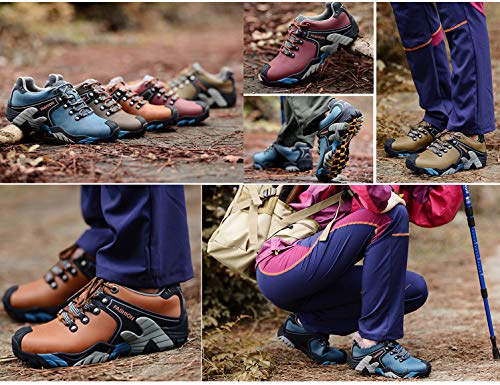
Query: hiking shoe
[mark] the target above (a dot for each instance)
(414, 142)
(388, 359)
(448, 153)
(293, 159)
(314, 346)
(40, 300)
(158, 117)
(103, 105)
(310, 40)
(57, 112)
(103, 321)
(335, 133)
(158, 93)
(216, 90)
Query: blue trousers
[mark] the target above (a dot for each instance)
(332, 295)
(461, 99)
(138, 234)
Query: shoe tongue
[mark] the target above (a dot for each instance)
(116, 80)
(299, 19)
(147, 78)
(54, 79)
(197, 67)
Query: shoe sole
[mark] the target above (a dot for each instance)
(474, 162)
(34, 315)
(335, 162)
(338, 41)
(25, 120)
(300, 167)
(400, 154)
(364, 367)
(152, 339)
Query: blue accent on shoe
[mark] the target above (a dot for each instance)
(323, 56)
(333, 114)
(403, 154)
(431, 171)
(185, 122)
(38, 317)
(278, 156)
(123, 134)
(121, 348)
(287, 80)
(53, 360)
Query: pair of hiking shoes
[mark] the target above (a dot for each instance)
(88, 320)
(309, 41)
(386, 358)
(336, 129)
(91, 112)
(429, 151)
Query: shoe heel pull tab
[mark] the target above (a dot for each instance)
(227, 73)
(337, 8)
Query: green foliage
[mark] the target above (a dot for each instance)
(226, 295)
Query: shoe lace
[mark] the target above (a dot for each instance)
(185, 77)
(73, 100)
(420, 129)
(62, 267)
(162, 90)
(399, 352)
(81, 302)
(103, 97)
(126, 94)
(441, 142)
(293, 39)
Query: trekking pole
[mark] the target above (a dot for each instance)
(282, 102)
(482, 283)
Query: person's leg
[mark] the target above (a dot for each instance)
(473, 111)
(422, 37)
(99, 233)
(337, 310)
(302, 115)
(150, 245)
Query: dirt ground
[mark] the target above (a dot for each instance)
(359, 168)
(188, 154)
(450, 330)
(342, 72)
(398, 110)
(42, 220)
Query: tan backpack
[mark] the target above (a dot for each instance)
(260, 212)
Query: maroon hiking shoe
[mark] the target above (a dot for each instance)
(310, 40)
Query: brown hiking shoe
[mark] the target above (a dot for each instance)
(448, 153)
(415, 141)
(158, 117)
(104, 321)
(103, 105)
(40, 300)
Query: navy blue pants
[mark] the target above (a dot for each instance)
(138, 234)
(333, 295)
(461, 99)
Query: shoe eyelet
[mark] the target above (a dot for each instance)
(73, 271)
(85, 320)
(64, 277)
(131, 103)
(59, 99)
(77, 118)
(118, 94)
(105, 300)
(53, 285)
(440, 155)
(83, 263)
(108, 113)
(138, 107)
(96, 311)
(293, 55)
(65, 106)
(71, 112)
(73, 328)
(102, 108)
(91, 94)
(96, 101)
(114, 289)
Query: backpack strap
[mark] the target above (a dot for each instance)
(311, 210)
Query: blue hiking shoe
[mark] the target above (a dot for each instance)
(388, 359)
(314, 346)
(293, 159)
(58, 112)
(335, 133)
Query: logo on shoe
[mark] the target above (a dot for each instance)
(320, 37)
(47, 105)
(123, 312)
